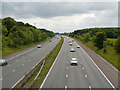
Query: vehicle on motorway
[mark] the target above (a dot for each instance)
(3, 62)
(74, 61)
(72, 50)
(78, 46)
(39, 46)
(70, 44)
(49, 40)
(69, 41)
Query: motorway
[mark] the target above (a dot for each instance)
(18, 66)
(85, 75)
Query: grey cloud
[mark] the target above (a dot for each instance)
(52, 9)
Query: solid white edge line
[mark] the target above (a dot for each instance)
(22, 53)
(98, 68)
(28, 71)
(51, 67)
(18, 82)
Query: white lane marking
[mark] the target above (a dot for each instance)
(98, 68)
(85, 75)
(8, 65)
(65, 87)
(23, 64)
(81, 62)
(28, 71)
(90, 87)
(20, 54)
(13, 71)
(18, 82)
(67, 67)
(51, 67)
(23, 53)
(66, 75)
(1, 78)
(83, 68)
(67, 62)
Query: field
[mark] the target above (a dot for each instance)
(110, 55)
(6, 51)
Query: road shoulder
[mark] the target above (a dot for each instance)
(110, 73)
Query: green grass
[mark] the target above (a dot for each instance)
(7, 50)
(111, 56)
(46, 66)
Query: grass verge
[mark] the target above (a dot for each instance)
(49, 61)
(47, 65)
(7, 50)
(110, 55)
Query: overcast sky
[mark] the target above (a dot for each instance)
(63, 16)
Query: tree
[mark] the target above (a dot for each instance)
(117, 45)
(109, 34)
(8, 22)
(4, 31)
(86, 37)
(99, 39)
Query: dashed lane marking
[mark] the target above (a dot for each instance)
(13, 71)
(85, 75)
(66, 75)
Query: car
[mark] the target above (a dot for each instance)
(78, 46)
(72, 50)
(70, 44)
(74, 61)
(3, 62)
(72, 40)
(69, 41)
(49, 40)
(39, 46)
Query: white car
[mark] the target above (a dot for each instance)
(74, 61)
(3, 62)
(39, 46)
(78, 46)
(72, 50)
(70, 44)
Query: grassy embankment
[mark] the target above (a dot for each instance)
(7, 50)
(46, 67)
(110, 55)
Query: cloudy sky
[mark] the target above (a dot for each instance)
(63, 16)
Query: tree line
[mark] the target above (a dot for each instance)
(15, 34)
(99, 36)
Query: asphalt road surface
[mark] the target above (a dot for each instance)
(17, 67)
(85, 75)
